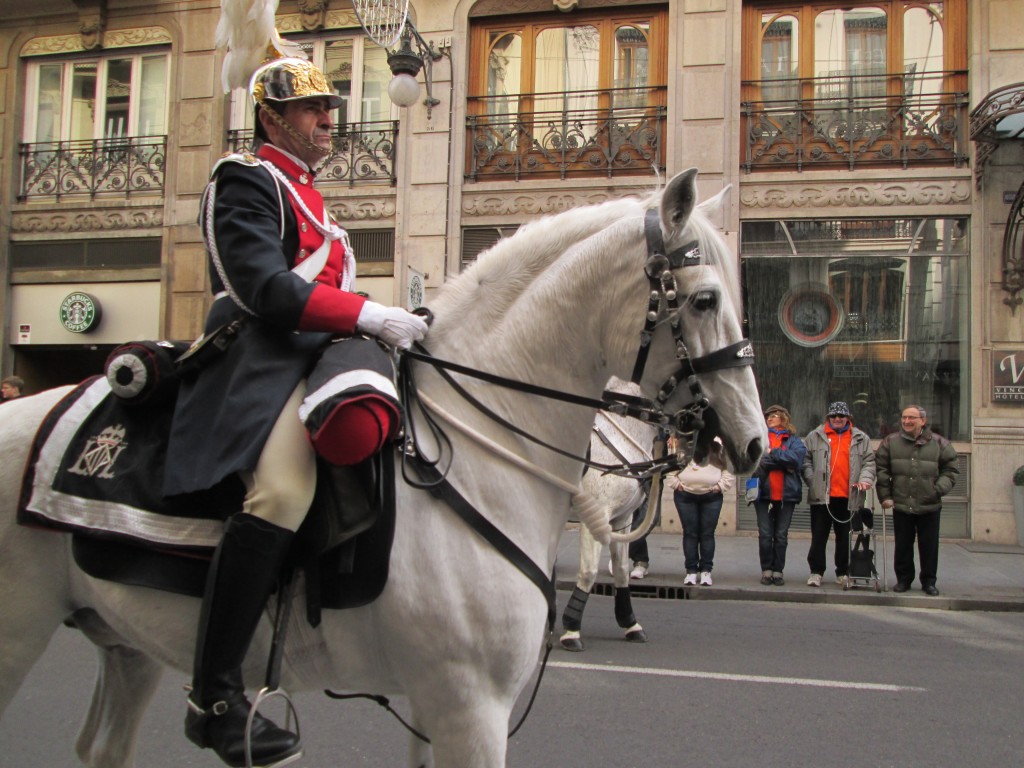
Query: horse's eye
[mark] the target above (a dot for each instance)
(705, 300)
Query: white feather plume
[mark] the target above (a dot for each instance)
(246, 28)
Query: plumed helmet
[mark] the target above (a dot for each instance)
(290, 79)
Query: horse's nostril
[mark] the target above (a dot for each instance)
(754, 451)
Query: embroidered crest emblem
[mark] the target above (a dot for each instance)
(100, 453)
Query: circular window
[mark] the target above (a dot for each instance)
(810, 315)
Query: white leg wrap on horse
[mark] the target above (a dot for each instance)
(593, 515)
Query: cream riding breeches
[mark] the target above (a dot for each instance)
(280, 489)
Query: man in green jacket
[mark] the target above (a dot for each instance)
(916, 468)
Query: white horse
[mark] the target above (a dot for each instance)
(458, 628)
(615, 440)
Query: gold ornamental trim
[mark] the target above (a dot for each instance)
(117, 38)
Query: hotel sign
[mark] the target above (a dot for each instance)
(1008, 376)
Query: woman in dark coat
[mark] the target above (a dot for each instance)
(780, 490)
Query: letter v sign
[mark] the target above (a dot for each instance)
(1015, 373)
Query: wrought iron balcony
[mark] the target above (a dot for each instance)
(622, 134)
(364, 153)
(854, 121)
(114, 167)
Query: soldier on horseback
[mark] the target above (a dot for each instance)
(281, 270)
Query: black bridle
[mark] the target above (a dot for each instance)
(663, 300)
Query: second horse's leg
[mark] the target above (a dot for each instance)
(623, 599)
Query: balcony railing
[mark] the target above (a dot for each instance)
(364, 153)
(625, 137)
(853, 121)
(120, 166)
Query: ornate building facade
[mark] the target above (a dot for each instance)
(873, 150)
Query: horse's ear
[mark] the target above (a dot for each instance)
(678, 200)
(714, 207)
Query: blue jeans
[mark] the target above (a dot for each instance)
(773, 519)
(699, 515)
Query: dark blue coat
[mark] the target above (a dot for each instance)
(789, 459)
(224, 414)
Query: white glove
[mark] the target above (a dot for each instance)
(392, 325)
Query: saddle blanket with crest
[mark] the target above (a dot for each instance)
(96, 470)
(97, 465)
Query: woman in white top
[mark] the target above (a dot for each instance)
(698, 493)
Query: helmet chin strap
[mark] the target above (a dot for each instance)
(288, 128)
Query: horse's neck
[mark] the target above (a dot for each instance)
(554, 333)
(567, 327)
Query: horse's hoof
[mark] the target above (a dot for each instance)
(571, 641)
(636, 635)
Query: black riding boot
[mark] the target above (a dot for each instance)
(242, 575)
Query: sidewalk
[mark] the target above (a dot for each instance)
(972, 576)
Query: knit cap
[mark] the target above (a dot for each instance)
(839, 408)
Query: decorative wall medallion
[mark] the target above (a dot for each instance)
(810, 316)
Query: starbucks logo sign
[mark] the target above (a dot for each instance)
(79, 313)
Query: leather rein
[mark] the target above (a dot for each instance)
(663, 300)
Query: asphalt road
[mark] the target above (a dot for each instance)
(721, 683)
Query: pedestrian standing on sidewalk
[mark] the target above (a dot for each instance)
(780, 489)
(698, 493)
(838, 469)
(916, 468)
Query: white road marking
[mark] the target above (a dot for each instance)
(812, 682)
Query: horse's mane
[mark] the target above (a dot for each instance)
(505, 269)
(483, 293)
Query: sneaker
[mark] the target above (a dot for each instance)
(705, 578)
(766, 578)
(611, 567)
(690, 580)
(814, 580)
(638, 572)
(843, 581)
(777, 579)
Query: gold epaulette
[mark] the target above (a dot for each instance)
(243, 158)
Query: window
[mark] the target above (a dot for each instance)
(873, 312)
(95, 126)
(879, 82)
(85, 99)
(552, 93)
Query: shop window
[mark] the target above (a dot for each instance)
(873, 312)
